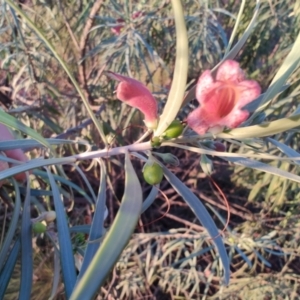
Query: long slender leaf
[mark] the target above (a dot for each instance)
(97, 229)
(288, 66)
(11, 232)
(56, 274)
(35, 163)
(176, 94)
(236, 26)
(264, 129)
(150, 198)
(26, 250)
(204, 217)
(62, 180)
(115, 240)
(257, 165)
(12, 122)
(6, 272)
(29, 143)
(65, 245)
(288, 151)
(239, 45)
(40, 34)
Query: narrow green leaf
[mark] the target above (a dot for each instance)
(203, 216)
(288, 151)
(35, 163)
(236, 26)
(116, 238)
(64, 238)
(56, 274)
(6, 272)
(30, 143)
(62, 180)
(264, 129)
(13, 123)
(97, 229)
(11, 232)
(288, 66)
(26, 250)
(150, 198)
(40, 34)
(240, 44)
(176, 94)
(257, 165)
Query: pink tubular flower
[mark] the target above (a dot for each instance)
(118, 28)
(121, 22)
(17, 154)
(222, 99)
(135, 94)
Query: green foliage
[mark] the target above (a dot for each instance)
(83, 147)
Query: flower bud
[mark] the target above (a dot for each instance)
(206, 165)
(220, 147)
(50, 216)
(137, 95)
(155, 142)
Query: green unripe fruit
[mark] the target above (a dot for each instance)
(153, 173)
(174, 130)
(39, 227)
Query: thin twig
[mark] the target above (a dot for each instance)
(83, 42)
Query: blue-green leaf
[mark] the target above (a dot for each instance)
(204, 217)
(116, 238)
(26, 250)
(65, 245)
(97, 228)
(6, 272)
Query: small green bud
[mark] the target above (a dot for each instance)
(39, 227)
(155, 142)
(220, 147)
(50, 216)
(206, 165)
(174, 130)
(153, 173)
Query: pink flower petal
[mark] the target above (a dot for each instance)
(118, 28)
(230, 71)
(197, 122)
(222, 99)
(17, 154)
(236, 118)
(249, 91)
(135, 94)
(204, 84)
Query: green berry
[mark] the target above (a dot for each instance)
(153, 173)
(39, 227)
(174, 130)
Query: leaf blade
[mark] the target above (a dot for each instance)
(116, 238)
(203, 216)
